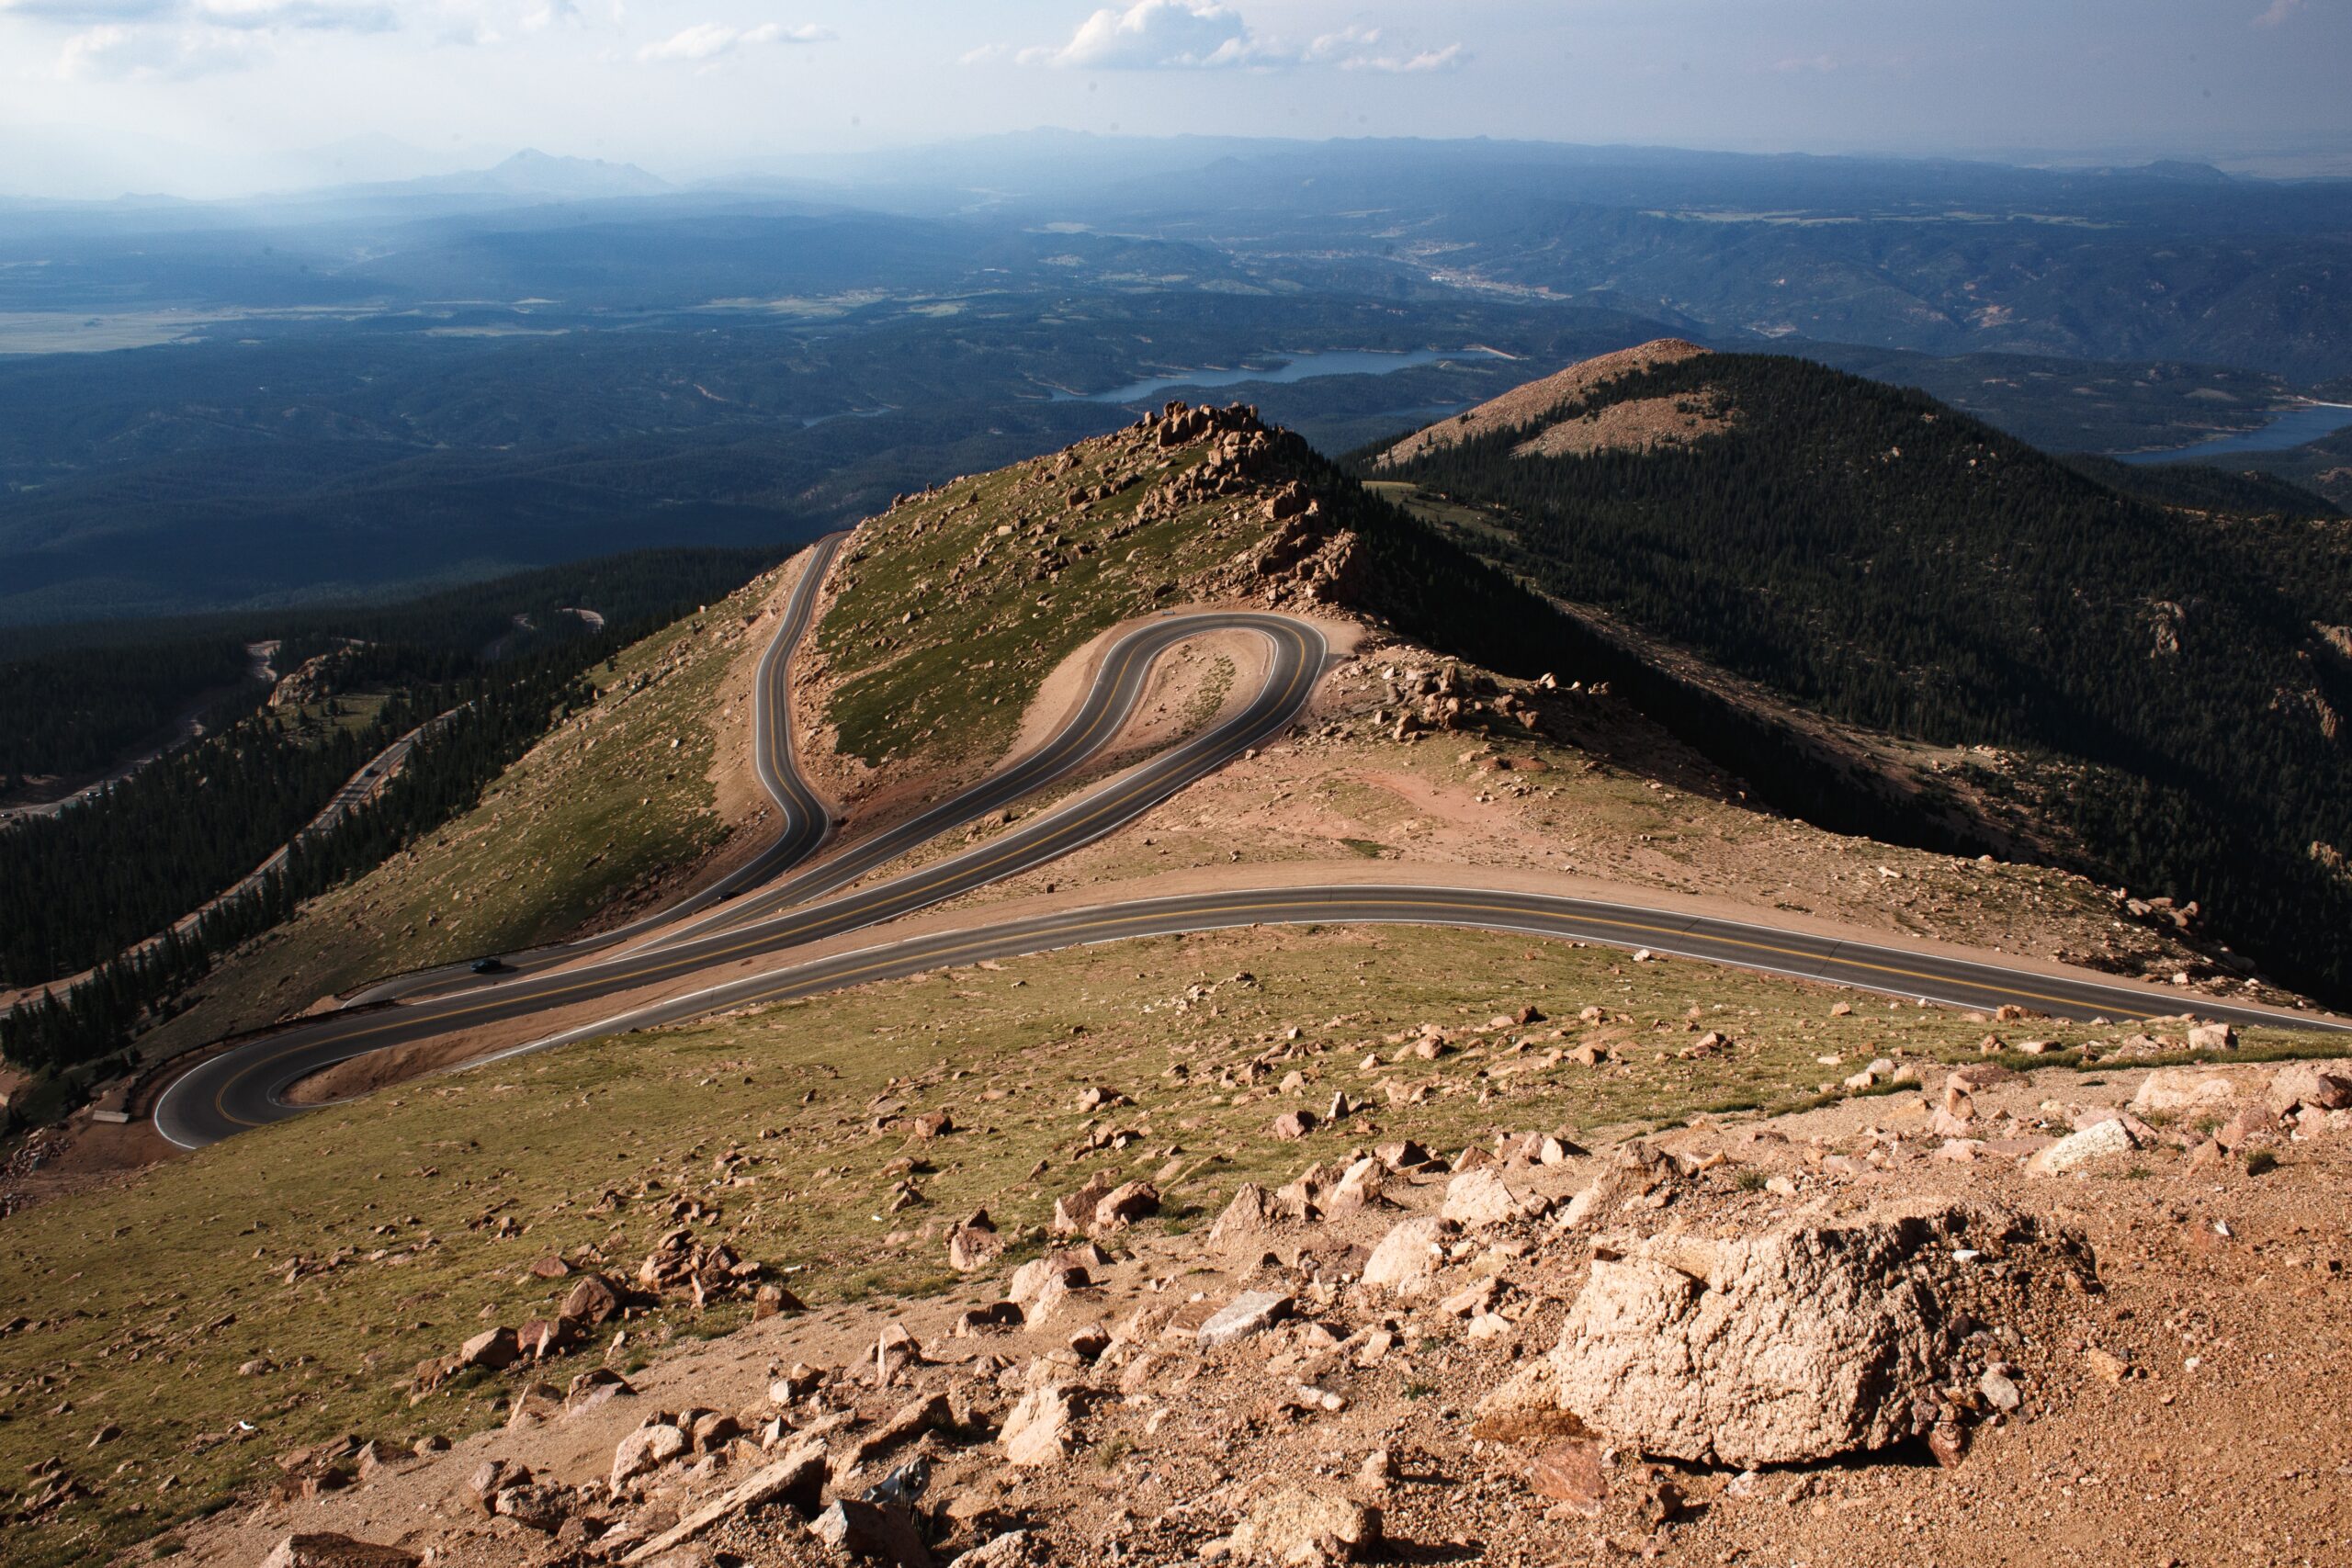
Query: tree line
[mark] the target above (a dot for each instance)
(75, 699)
(96, 882)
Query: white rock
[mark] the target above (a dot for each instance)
(2169, 1089)
(1038, 1430)
(1410, 1251)
(1252, 1311)
(1480, 1198)
(2096, 1142)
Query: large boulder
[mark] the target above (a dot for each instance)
(646, 1449)
(1125, 1204)
(1784, 1346)
(592, 1301)
(1253, 1312)
(1297, 1526)
(2097, 1142)
(972, 1248)
(2171, 1091)
(493, 1349)
(872, 1532)
(1480, 1198)
(1074, 1213)
(2323, 1085)
(1039, 1429)
(1248, 1217)
(1410, 1252)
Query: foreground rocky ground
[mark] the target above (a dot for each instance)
(1988, 1317)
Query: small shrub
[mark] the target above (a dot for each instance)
(2260, 1162)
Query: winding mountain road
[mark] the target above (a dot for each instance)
(806, 822)
(245, 1085)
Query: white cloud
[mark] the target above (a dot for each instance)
(1359, 49)
(713, 40)
(2278, 11)
(1195, 35)
(309, 15)
(1156, 35)
(115, 52)
(91, 11)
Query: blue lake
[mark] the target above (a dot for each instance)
(1295, 367)
(2290, 427)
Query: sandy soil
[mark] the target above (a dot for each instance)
(2178, 1405)
(1603, 797)
(1635, 425)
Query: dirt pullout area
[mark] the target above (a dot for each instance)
(1525, 405)
(1986, 1318)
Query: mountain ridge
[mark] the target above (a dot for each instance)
(1876, 556)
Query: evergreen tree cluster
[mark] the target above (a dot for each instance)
(1872, 554)
(77, 713)
(444, 774)
(76, 699)
(88, 888)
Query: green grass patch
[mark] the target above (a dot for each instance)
(943, 627)
(343, 1246)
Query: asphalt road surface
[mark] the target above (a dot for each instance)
(804, 821)
(244, 1085)
(1920, 977)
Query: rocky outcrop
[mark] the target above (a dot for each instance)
(1297, 1526)
(1808, 1341)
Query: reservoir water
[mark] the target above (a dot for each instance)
(2289, 427)
(1294, 367)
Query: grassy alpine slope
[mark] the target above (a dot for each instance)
(949, 611)
(293, 1276)
(2169, 674)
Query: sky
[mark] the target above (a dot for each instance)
(215, 96)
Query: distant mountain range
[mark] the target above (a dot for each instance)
(528, 175)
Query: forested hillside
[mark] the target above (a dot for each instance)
(75, 712)
(2169, 675)
(92, 882)
(75, 698)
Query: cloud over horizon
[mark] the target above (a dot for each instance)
(244, 16)
(1204, 34)
(709, 42)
